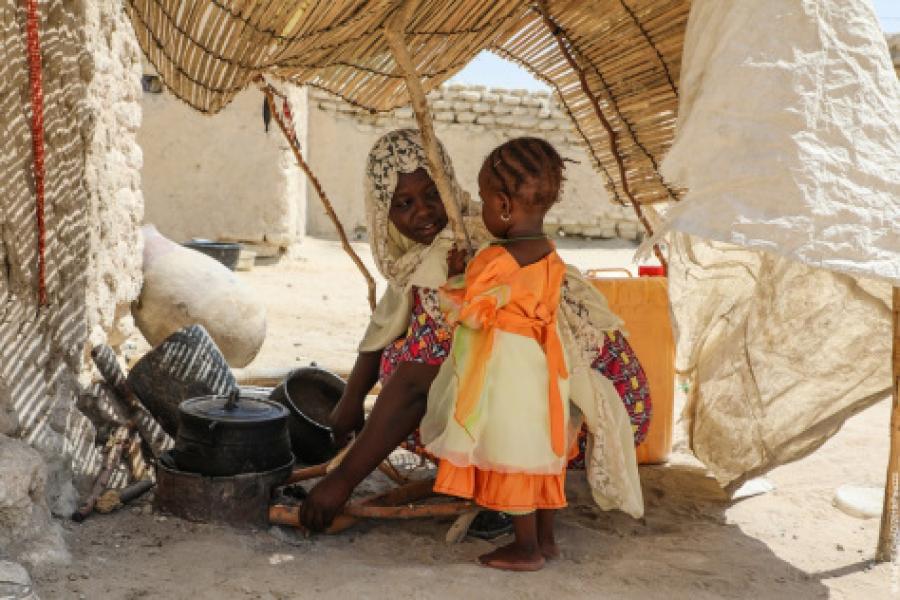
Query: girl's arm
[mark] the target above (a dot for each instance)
(348, 416)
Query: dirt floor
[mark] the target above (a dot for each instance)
(788, 543)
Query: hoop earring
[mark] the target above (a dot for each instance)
(505, 217)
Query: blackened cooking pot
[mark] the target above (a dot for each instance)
(310, 393)
(222, 436)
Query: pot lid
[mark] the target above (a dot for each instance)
(245, 409)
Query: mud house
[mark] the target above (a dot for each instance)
(226, 177)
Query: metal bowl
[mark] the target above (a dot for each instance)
(226, 253)
(310, 394)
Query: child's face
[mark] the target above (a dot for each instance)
(494, 204)
(416, 208)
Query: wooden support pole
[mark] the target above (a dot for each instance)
(396, 39)
(887, 536)
(326, 203)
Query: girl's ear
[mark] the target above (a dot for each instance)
(505, 203)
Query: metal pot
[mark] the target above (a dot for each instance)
(221, 436)
(310, 393)
(226, 253)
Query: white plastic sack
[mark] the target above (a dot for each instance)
(777, 355)
(788, 134)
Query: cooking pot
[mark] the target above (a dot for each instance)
(221, 436)
(310, 393)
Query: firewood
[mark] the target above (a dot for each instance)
(114, 499)
(113, 454)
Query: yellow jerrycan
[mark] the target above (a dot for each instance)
(643, 303)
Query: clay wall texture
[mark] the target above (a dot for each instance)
(217, 177)
(470, 121)
(223, 177)
(93, 205)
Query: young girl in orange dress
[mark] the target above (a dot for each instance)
(498, 410)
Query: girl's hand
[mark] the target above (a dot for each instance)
(456, 261)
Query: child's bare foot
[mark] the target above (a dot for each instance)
(546, 539)
(514, 557)
(549, 549)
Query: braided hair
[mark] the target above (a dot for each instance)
(528, 168)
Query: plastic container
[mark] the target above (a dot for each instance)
(651, 271)
(643, 303)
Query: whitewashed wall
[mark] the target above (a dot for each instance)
(470, 121)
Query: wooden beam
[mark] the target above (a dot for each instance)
(394, 34)
(887, 536)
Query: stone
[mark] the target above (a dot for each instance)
(505, 120)
(447, 116)
(526, 121)
(547, 125)
(469, 95)
(520, 111)
(481, 107)
(15, 584)
(466, 117)
(862, 502)
(486, 119)
(27, 532)
(510, 100)
(491, 97)
(627, 230)
(501, 109)
(404, 112)
(441, 105)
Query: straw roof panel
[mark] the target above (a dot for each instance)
(619, 56)
(629, 54)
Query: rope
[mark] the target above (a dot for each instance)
(284, 119)
(37, 139)
(558, 33)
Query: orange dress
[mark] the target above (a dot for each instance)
(498, 409)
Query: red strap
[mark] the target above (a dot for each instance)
(37, 139)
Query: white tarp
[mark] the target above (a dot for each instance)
(788, 136)
(776, 354)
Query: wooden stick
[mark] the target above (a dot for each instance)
(404, 494)
(114, 499)
(460, 527)
(391, 471)
(305, 473)
(282, 514)
(326, 203)
(115, 446)
(395, 37)
(409, 511)
(107, 364)
(887, 535)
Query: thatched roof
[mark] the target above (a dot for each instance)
(627, 53)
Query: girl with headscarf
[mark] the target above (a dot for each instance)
(408, 338)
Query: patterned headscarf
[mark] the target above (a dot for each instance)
(400, 151)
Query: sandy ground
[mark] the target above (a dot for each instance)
(693, 543)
